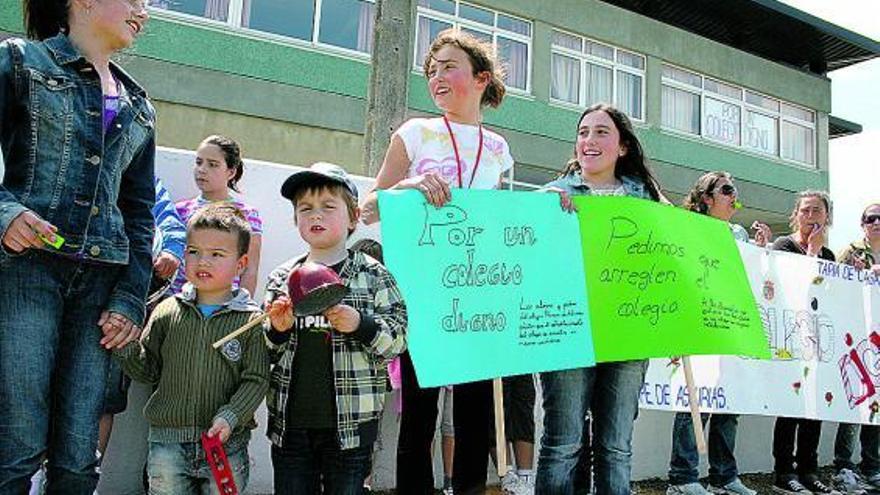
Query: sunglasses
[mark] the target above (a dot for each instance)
(727, 190)
(870, 219)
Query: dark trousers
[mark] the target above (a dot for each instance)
(472, 409)
(845, 444)
(312, 459)
(806, 433)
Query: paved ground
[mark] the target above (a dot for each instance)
(762, 482)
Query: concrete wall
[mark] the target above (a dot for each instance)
(261, 182)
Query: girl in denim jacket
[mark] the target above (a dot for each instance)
(78, 142)
(608, 160)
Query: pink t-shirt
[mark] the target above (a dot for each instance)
(187, 207)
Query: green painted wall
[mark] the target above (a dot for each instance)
(296, 104)
(184, 126)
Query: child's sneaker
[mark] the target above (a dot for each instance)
(814, 484)
(789, 485)
(849, 482)
(687, 489)
(735, 487)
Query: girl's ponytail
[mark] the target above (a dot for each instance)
(45, 18)
(696, 198)
(495, 90)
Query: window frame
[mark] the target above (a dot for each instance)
(584, 58)
(745, 108)
(233, 23)
(494, 31)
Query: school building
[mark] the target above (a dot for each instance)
(738, 85)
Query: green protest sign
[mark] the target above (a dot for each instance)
(493, 282)
(664, 282)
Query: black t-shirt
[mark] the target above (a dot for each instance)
(787, 243)
(312, 402)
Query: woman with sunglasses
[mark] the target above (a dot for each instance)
(715, 195)
(863, 254)
(76, 231)
(809, 223)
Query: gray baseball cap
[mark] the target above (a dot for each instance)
(319, 170)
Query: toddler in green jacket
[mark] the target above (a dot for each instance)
(199, 388)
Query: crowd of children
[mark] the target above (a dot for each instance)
(76, 270)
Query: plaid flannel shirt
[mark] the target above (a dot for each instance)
(360, 370)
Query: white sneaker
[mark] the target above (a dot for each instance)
(849, 482)
(527, 485)
(509, 481)
(38, 481)
(735, 487)
(687, 489)
(447, 491)
(524, 485)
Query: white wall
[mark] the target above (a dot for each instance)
(262, 181)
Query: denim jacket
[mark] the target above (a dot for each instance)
(574, 185)
(96, 188)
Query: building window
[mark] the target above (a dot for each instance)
(346, 24)
(735, 116)
(798, 133)
(584, 72)
(511, 36)
(209, 9)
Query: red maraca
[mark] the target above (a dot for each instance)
(313, 288)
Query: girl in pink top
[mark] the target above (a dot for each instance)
(217, 170)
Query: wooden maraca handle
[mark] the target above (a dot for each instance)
(244, 328)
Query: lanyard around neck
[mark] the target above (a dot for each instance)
(458, 157)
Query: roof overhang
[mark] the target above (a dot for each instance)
(766, 28)
(838, 127)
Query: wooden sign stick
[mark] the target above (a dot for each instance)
(694, 403)
(500, 437)
(244, 328)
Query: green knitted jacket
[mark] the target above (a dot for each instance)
(195, 384)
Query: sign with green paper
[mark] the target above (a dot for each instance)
(664, 282)
(493, 282)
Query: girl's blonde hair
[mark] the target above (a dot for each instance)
(482, 58)
(822, 195)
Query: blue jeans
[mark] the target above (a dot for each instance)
(610, 391)
(52, 369)
(685, 460)
(845, 443)
(311, 459)
(181, 468)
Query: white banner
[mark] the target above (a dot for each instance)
(823, 323)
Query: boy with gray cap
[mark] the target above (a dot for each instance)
(328, 384)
